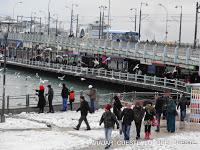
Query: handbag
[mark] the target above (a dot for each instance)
(154, 121)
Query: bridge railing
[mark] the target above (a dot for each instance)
(157, 52)
(107, 74)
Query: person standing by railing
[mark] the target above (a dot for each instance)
(92, 95)
(42, 101)
(50, 98)
(64, 94)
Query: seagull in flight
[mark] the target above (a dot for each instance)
(136, 67)
(1, 69)
(28, 77)
(61, 78)
(83, 79)
(43, 81)
(17, 75)
(96, 62)
(37, 76)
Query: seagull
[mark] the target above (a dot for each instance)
(83, 79)
(83, 63)
(174, 70)
(1, 69)
(43, 81)
(136, 67)
(96, 62)
(61, 78)
(60, 84)
(58, 56)
(28, 77)
(37, 76)
(17, 75)
(107, 59)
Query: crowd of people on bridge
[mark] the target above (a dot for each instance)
(123, 114)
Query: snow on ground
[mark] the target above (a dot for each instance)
(64, 119)
(181, 141)
(41, 140)
(12, 123)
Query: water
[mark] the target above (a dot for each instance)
(16, 83)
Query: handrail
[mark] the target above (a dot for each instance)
(103, 74)
(138, 50)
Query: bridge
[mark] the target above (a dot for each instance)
(184, 57)
(124, 78)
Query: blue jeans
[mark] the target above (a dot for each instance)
(64, 104)
(126, 130)
(108, 133)
(183, 114)
(92, 105)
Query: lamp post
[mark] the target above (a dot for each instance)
(49, 16)
(109, 14)
(56, 23)
(32, 20)
(101, 21)
(135, 16)
(180, 26)
(4, 76)
(140, 19)
(72, 19)
(166, 25)
(20, 2)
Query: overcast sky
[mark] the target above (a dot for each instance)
(153, 24)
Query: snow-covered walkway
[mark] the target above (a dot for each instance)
(55, 132)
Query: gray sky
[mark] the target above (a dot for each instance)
(153, 25)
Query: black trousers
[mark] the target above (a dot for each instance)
(147, 128)
(71, 105)
(50, 106)
(83, 118)
(138, 127)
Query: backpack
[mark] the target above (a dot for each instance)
(71, 96)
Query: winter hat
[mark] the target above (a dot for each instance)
(41, 87)
(108, 107)
(90, 86)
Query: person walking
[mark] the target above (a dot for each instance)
(183, 106)
(92, 95)
(149, 116)
(71, 98)
(127, 118)
(42, 101)
(64, 94)
(159, 110)
(84, 108)
(171, 116)
(138, 115)
(117, 107)
(109, 120)
(50, 98)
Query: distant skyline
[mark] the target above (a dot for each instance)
(153, 24)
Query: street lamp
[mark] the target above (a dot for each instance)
(32, 13)
(4, 76)
(140, 19)
(135, 16)
(101, 26)
(14, 8)
(56, 15)
(166, 30)
(180, 26)
(72, 19)
(109, 14)
(49, 16)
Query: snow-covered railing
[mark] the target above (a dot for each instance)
(105, 75)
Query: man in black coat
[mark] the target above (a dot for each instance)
(50, 98)
(84, 108)
(138, 115)
(183, 106)
(159, 110)
(64, 94)
(127, 118)
(117, 107)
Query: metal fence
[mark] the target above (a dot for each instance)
(140, 51)
(102, 74)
